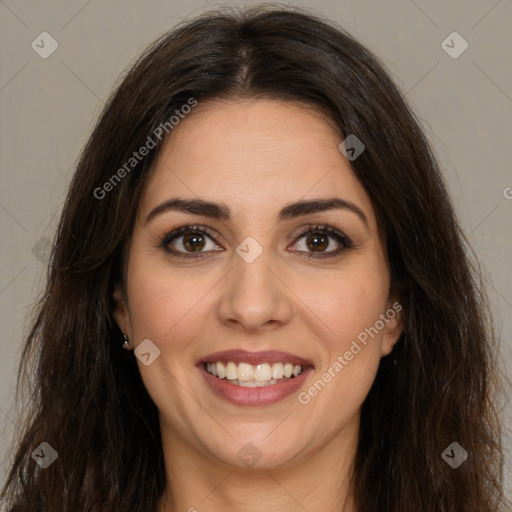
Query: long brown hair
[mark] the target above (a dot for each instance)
(86, 397)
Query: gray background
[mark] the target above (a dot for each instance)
(49, 106)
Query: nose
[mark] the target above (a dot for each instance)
(254, 298)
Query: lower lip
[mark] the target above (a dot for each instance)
(267, 395)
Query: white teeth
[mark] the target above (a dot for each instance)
(245, 372)
(231, 371)
(263, 372)
(277, 370)
(221, 371)
(255, 384)
(247, 375)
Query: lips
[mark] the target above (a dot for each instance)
(254, 396)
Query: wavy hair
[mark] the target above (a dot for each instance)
(85, 394)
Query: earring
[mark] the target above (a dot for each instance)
(126, 340)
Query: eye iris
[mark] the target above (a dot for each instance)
(193, 242)
(319, 242)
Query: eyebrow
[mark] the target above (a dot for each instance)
(221, 211)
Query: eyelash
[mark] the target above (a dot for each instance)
(341, 239)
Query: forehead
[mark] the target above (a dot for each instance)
(255, 156)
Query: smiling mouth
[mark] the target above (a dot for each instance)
(253, 376)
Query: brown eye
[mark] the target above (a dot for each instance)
(322, 241)
(317, 242)
(193, 241)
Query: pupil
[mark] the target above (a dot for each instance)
(193, 242)
(318, 241)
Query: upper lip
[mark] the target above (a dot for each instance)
(254, 358)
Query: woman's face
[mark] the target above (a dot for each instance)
(261, 278)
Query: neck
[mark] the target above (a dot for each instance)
(318, 480)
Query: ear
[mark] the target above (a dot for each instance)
(121, 313)
(394, 322)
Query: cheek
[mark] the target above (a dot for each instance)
(150, 299)
(350, 310)
(354, 349)
(162, 300)
(164, 307)
(350, 301)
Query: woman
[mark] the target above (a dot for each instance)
(259, 296)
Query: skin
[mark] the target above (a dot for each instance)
(256, 156)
